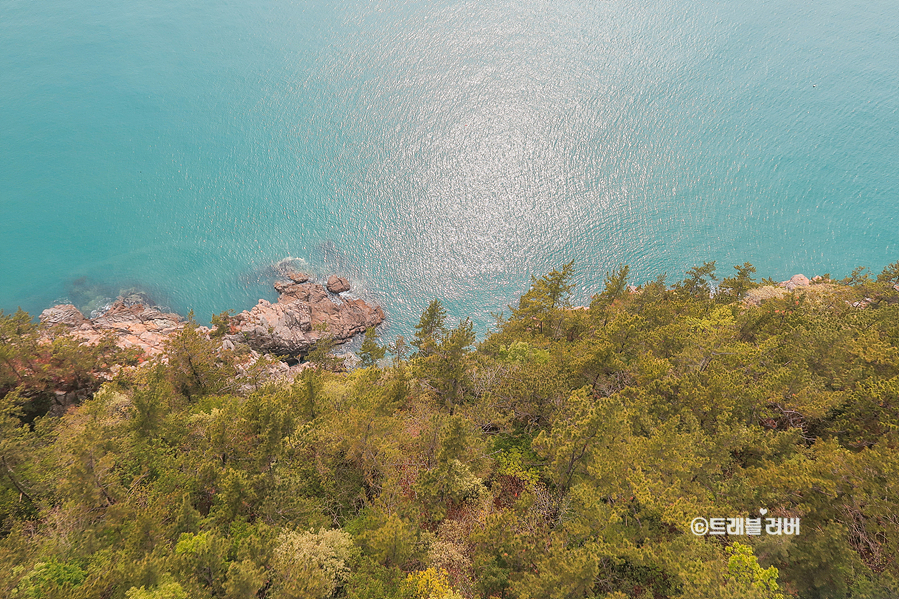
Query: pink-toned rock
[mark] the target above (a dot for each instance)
(298, 277)
(337, 284)
(66, 314)
(131, 325)
(795, 281)
(303, 314)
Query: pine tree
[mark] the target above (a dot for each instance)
(449, 375)
(370, 352)
(430, 329)
(545, 298)
(734, 288)
(697, 283)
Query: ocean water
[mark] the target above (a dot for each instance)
(444, 149)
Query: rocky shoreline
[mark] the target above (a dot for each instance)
(304, 313)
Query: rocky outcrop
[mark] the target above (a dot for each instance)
(303, 314)
(761, 294)
(795, 282)
(131, 324)
(337, 284)
(66, 314)
(758, 295)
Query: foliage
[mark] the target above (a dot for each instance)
(50, 579)
(431, 584)
(522, 352)
(745, 571)
(697, 283)
(541, 304)
(196, 365)
(370, 352)
(564, 455)
(171, 590)
(735, 288)
(312, 564)
(430, 329)
(51, 372)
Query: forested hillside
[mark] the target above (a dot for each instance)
(564, 456)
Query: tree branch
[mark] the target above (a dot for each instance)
(14, 481)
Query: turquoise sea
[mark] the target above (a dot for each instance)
(443, 149)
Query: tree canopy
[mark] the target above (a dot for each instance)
(565, 455)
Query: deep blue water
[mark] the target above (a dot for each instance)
(442, 149)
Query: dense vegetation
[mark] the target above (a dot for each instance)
(562, 457)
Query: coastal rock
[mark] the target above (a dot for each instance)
(337, 284)
(795, 281)
(66, 314)
(350, 360)
(275, 328)
(303, 314)
(132, 325)
(297, 277)
(138, 318)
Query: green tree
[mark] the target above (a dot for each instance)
(449, 367)
(734, 288)
(370, 352)
(389, 539)
(542, 302)
(398, 349)
(430, 329)
(222, 323)
(245, 580)
(202, 559)
(745, 571)
(17, 452)
(51, 579)
(697, 283)
(568, 446)
(307, 393)
(51, 369)
(198, 366)
(320, 355)
(311, 564)
(858, 277)
(169, 590)
(890, 274)
(614, 287)
(431, 584)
